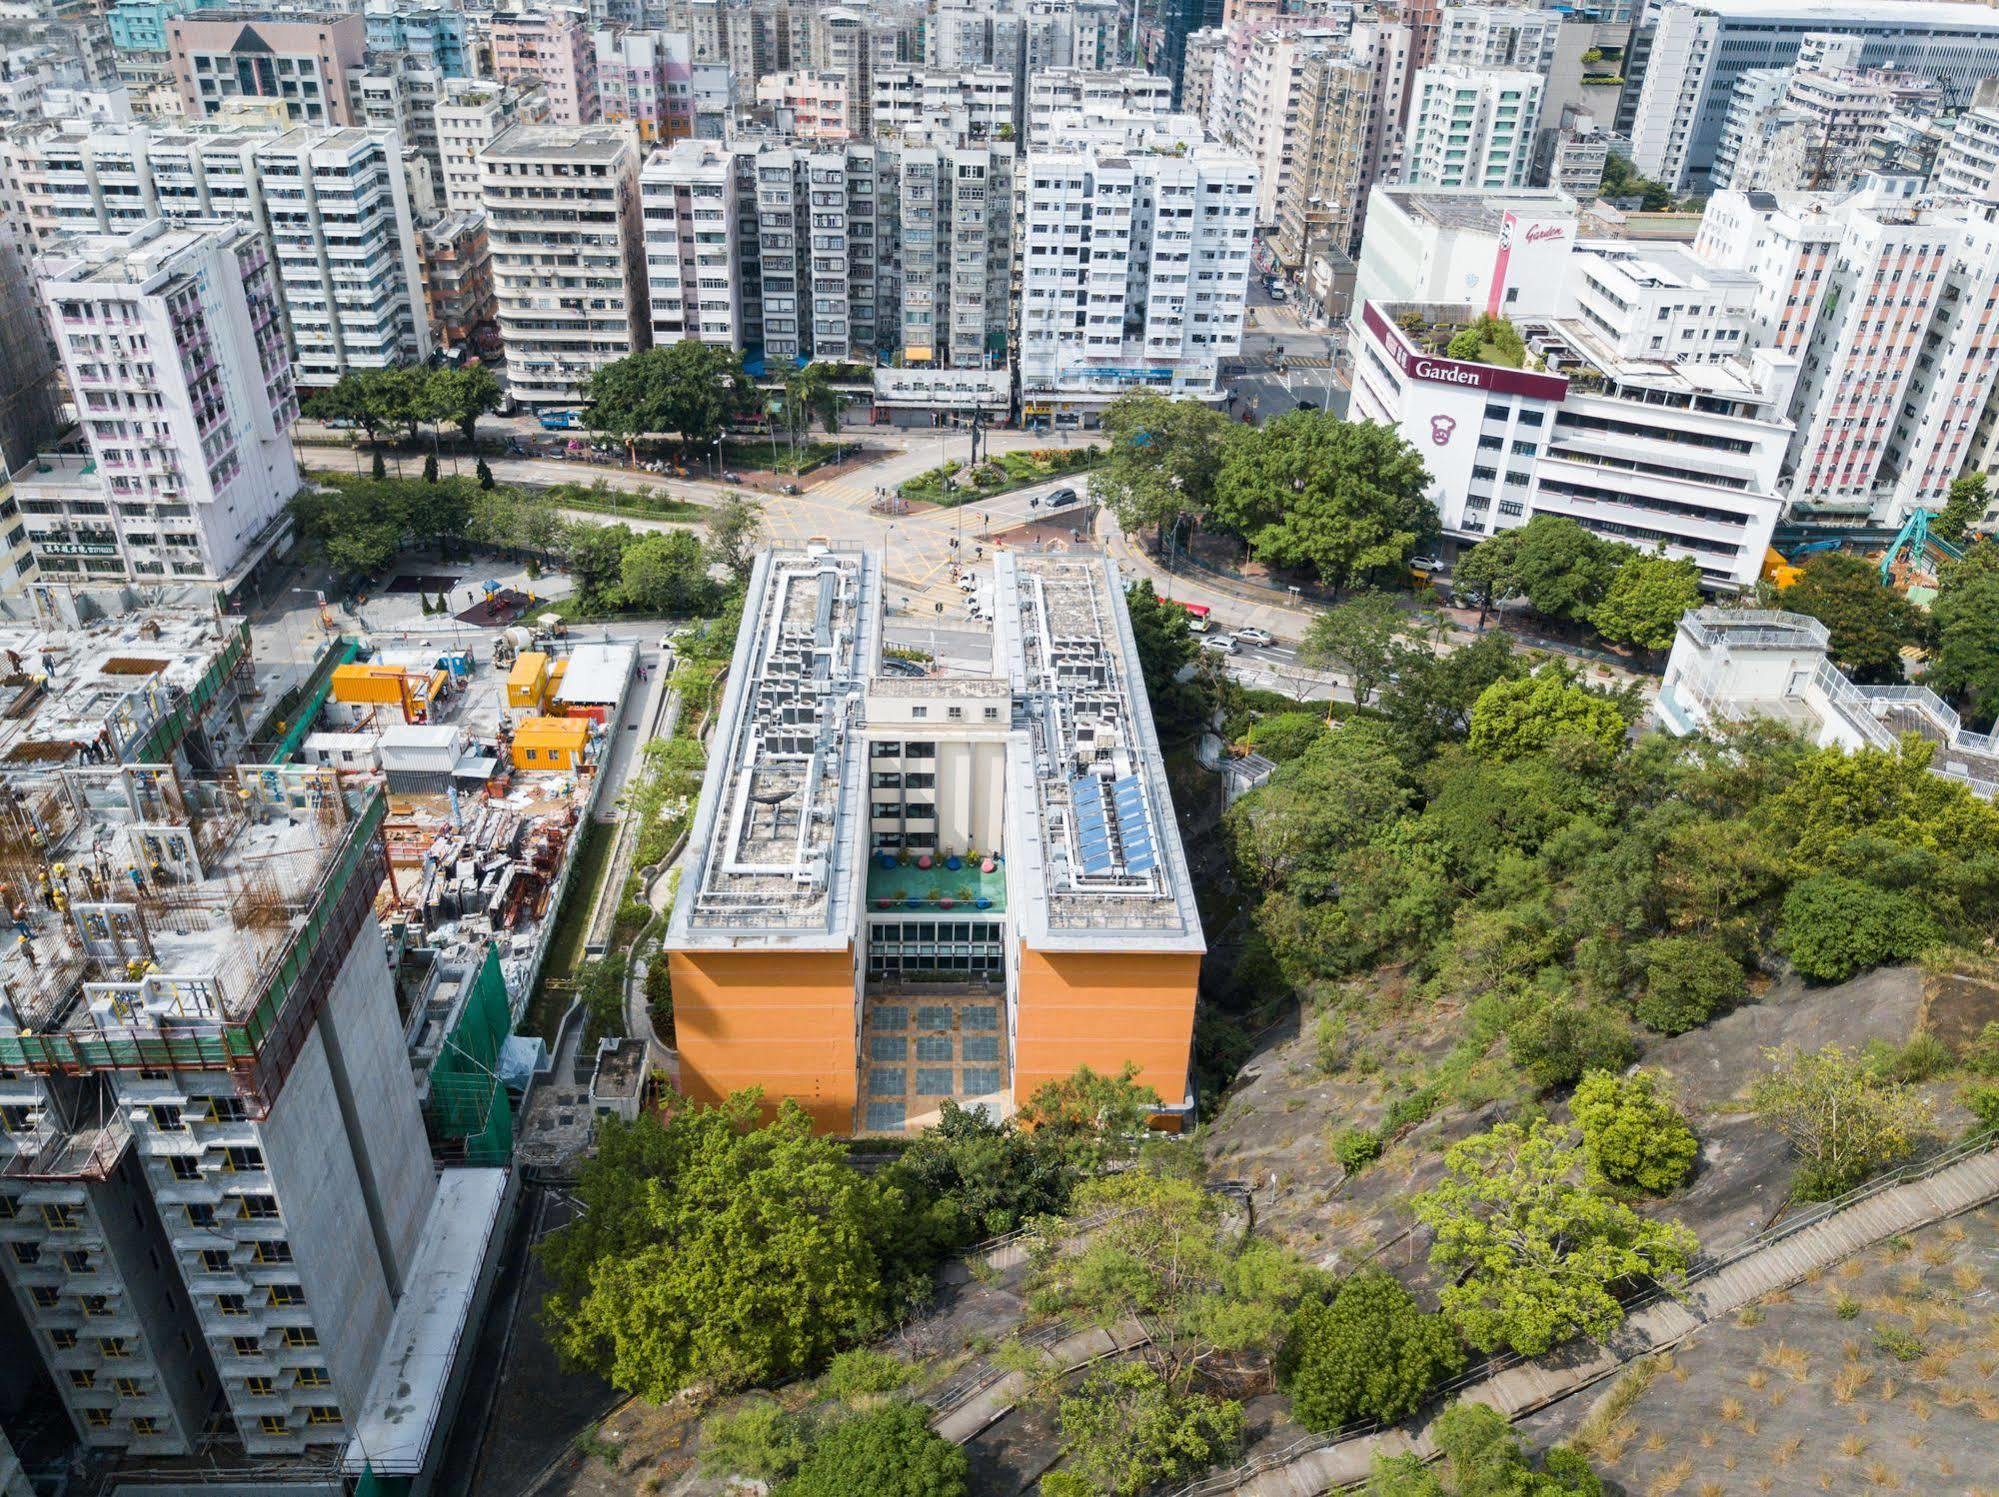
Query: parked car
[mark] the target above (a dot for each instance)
(1263, 639)
(1427, 563)
(968, 583)
(1061, 497)
(1221, 644)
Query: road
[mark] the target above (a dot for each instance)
(1311, 354)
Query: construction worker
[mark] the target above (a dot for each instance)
(28, 951)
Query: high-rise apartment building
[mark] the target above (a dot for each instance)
(970, 105)
(1158, 300)
(826, 252)
(959, 887)
(562, 217)
(1688, 55)
(299, 60)
(457, 266)
(217, 1172)
(173, 341)
(555, 48)
(1107, 91)
(957, 255)
(1327, 186)
(334, 205)
(1497, 36)
(692, 196)
(471, 115)
(1471, 127)
(808, 106)
(431, 35)
(1891, 307)
(646, 77)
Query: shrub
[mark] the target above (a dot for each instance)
(1558, 1042)
(1843, 1120)
(1632, 1134)
(1367, 1353)
(1283, 736)
(1903, 1346)
(759, 1440)
(1126, 1431)
(1354, 1149)
(1687, 981)
(1923, 1057)
(862, 1371)
(1981, 1098)
(1835, 927)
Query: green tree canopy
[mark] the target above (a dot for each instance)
(1633, 1135)
(714, 1248)
(985, 1177)
(1320, 806)
(1869, 622)
(1364, 637)
(1835, 927)
(735, 535)
(1965, 663)
(1527, 714)
(666, 573)
(1127, 1431)
(1161, 458)
(688, 387)
(1431, 704)
(808, 396)
(1963, 509)
(1535, 1256)
(1688, 979)
(1646, 600)
(1366, 1353)
(1482, 1457)
(1341, 499)
(1091, 1118)
(1561, 569)
(887, 1451)
(459, 397)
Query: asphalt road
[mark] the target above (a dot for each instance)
(1279, 334)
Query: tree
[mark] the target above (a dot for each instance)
(1528, 714)
(1092, 1118)
(1869, 622)
(1489, 573)
(1836, 927)
(1965, 663)
(735, 535)
(1160, 460)
(758, 1440)
(1482, 1457)
(1363, 637)
(392, 397)
(1293, 832)
(459, 397)
(1214, 1300)
(809, 393)
(665, 573)
(715, 1248)
(982, 1177)
(1487, 339)
(377, 468)
(1633, 1135)
(1342, 499)
(1963, 509)
(1536, 1257)
(360, 529)
(889, 1450)
(1283, 736)
(1367, 1353)
(687, 387)
(1432, 703)
(596, 554)
(1688, 979)
(1557, 1043)
(1562, 570)
(1843, 1120)
(1126, 1431)
(344, 401)
(1646, 600)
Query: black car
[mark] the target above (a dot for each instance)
(1061, 497)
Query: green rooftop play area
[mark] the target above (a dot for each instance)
(964, 886)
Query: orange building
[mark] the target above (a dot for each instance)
(905, 889)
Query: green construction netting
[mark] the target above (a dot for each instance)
(371, 1485)
(467, 1102)
(318, 688)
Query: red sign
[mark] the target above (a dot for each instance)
(1438, 371)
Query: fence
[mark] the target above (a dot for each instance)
(1704, 1268)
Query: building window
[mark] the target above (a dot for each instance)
(259, 1385)
(130, 1387)
(59, 1218)
(300, 1336)
(260, 1208)
(273, 1424)
(97, 1305)
(322, 1413)
(167, 1119)
(215, 1260)
(227, 1110)
(246, 1346)
(283, 1295)
(240, 1157)
(97, 1418)
(76, 1260)
(201, 1215)
(269, 1253)
(992, 714)
(113, 1348)
(231, 1304)
(82, 1377)
(25, 1252)
(63, 1340)
(919, 712)
(145, 1424)
(312, 1377)
(184, 1169)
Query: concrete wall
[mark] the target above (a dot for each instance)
(1102, 1009)
(971, 790)
(785, 1021)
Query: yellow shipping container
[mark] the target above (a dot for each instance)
(527, 683)
(550, 743)
(377, 685)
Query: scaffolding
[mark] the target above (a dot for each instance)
(467, 1111)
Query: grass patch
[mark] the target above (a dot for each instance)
(1596, 1430)
(953, 483)
(604, 499)
(572, 926)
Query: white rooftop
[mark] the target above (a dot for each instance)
(597, 674)
(406, 1397)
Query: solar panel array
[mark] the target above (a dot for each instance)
(1103, 830)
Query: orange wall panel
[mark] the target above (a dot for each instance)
(780, 1020)
(1101, 1009)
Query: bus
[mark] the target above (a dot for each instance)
(1197, 614)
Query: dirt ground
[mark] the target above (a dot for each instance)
(1881, 1376)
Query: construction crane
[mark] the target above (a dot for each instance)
(1915, 537)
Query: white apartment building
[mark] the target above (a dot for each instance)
(1890, 304)
(562, 216)
(1113, 92)
(1471, 127)
(808, 105)
(691, 197)
(1648, 418)
(334, 203)
(1134, 273)
(471, 114)
(969, 105)
(1811, 128)
(1497, 36)
(1262, 91)
(173, 342)
(1967, 163)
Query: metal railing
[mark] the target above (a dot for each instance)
(1704, 1268)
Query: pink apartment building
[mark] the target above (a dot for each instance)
(557, 48)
